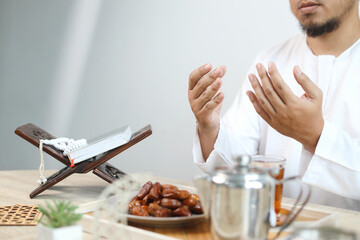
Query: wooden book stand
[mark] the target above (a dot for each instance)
(106, 171)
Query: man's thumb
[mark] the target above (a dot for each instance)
(312, 91)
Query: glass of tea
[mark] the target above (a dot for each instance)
(276, 166)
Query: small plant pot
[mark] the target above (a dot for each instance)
(69, 233)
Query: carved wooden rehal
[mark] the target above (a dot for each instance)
(98, 165)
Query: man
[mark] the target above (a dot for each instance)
(303, 106)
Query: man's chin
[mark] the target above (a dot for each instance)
(316, 30)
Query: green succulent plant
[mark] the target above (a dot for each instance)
(59, 214)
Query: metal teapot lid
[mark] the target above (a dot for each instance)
(242, 161)
(241, 174)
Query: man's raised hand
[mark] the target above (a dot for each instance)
(205, 98)
(296, 117)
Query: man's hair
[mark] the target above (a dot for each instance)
(317, 30)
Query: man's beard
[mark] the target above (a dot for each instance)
(318, 30)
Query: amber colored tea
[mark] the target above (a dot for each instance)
(272, 163)
(278, 190)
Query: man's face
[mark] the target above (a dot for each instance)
(317, 17)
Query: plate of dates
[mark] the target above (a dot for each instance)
(164, 205)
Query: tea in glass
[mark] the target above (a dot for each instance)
(276, 166)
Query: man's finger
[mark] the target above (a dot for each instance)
(312, 91)
(206, 81)
(212, 104)
(260, 95)
(197, 74)
(268, 88)
(259, 109)
(208, 94)
(279, 84)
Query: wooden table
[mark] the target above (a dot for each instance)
(82, 188)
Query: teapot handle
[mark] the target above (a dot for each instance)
(294, 213)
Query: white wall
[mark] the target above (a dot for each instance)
(81, 68)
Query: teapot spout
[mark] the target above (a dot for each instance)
(202, 184)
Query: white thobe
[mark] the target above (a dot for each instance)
(333, 170)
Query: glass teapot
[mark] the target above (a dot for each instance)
(240, 201)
